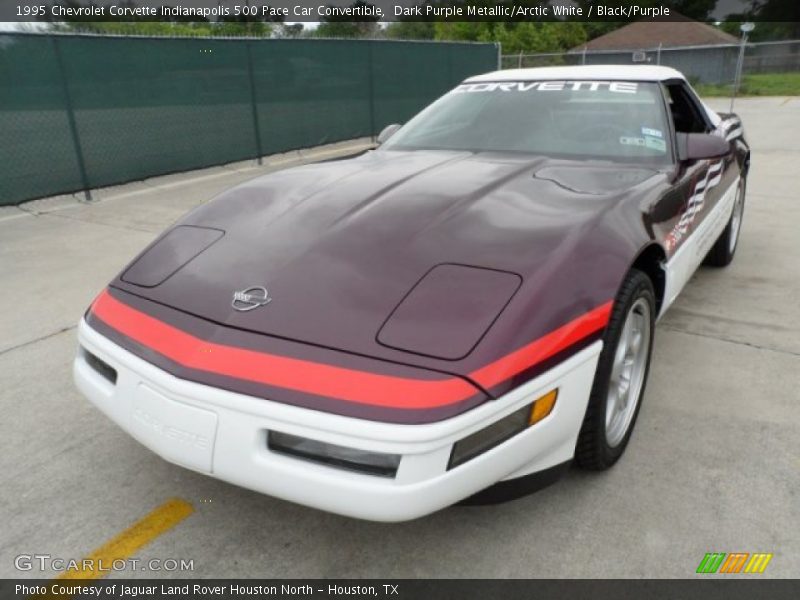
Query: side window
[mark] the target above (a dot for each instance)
(685, 112)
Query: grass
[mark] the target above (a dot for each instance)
(761, 84)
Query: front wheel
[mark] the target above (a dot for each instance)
(621, 375)
(721, 253)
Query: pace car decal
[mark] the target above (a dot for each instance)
(331, 381)
(695, 204)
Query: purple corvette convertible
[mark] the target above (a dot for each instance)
(456, 315)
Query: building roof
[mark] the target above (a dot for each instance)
(649, 34)
(588, 72)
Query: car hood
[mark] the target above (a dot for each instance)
(340, 245)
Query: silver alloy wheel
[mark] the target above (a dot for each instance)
(736, 220)
(628, 372)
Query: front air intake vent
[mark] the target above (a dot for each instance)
(370, 463)
(101, 367)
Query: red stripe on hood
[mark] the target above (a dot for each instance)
(327, 380)
(280, 371)
(546, 346)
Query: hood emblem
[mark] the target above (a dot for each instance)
(250, 298)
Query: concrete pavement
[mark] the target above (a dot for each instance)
(714, 464)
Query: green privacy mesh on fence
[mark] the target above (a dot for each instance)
(79, 112)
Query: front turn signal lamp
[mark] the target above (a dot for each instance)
(498, 432)
(543, 407)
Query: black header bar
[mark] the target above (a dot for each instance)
(703, 588)
(387, 10)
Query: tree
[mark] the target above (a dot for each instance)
(466, 31)
(290, 31)
(700, 10)
(775, 20)
(782, 15)
(344, 26)
(774, 10)
(411, 30)
(166, 29)
(248, 27)
(515, 37)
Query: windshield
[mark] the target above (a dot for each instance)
(611, 120)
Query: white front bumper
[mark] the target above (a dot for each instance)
(224, 434)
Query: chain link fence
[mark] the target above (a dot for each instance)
(708, 65)
(79, 112)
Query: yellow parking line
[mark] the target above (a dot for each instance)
(122, 546)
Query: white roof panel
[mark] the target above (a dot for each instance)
(592, 72)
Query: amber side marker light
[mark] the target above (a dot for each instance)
(498, 432)
(543, 407)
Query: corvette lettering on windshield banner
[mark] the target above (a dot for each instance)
(619, 87)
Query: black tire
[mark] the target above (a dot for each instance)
(723, 250)
(593, 451)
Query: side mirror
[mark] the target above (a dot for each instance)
(388, 132)
(701, 146)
